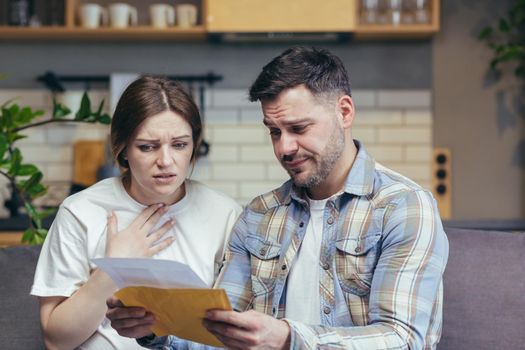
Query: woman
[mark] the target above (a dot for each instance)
(155, 133)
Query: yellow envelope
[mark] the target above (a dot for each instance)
(178, 311)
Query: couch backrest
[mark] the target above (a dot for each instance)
(19, 312)
(484, 291)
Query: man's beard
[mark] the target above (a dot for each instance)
(325, 162)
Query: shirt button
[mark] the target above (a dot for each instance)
(326, 266)
(273, 311)
(301, 224)
(357, 249)
(330, 220)
(283, 267)
(327, 310)
(263, 251)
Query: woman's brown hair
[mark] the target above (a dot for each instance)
(145, 98)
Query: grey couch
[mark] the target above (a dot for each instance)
(484, 298)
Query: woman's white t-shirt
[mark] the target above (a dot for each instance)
(203, 220)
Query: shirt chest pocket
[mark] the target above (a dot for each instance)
(355, 262)
(264, 260)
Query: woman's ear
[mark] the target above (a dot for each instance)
(346, 110)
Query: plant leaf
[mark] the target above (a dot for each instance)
(46, 212)
(504, 25)
(104, 119)
(85, 108)
(28, 236)
(27, 169)
(485, 33)
(16, 161)
(59, 110)
(32, 181)
(3, 145)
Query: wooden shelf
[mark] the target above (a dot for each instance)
(216, 17)
(134, 33)
(390, 31)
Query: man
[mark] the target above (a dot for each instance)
(347, 254)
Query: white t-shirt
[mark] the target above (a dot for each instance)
(302, 292)
(203, 220)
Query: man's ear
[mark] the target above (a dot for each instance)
(345, 110)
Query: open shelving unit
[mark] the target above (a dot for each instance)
(210, 12)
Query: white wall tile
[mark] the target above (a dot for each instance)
(418, 153)
(239, 171)
(51, 154)
(257, 154)
(405, 135)
(238, 134)
(276, 172)
(32, 98)
(252, 115)
(61, 172)
(404, 98)
(223, 153)
(218, 116)
(386, 153)
(418, 117)
(378, 118)
(364, 134)
(231, 98)
(364, 98)
(69, 133)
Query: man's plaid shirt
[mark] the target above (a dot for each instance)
(382, 259)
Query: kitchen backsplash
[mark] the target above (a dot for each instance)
(395, 126)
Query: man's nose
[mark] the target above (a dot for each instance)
(287, 147)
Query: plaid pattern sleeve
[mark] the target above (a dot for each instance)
(404, 305)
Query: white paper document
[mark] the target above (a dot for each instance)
(126, 272)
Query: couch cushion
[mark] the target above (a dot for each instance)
(19, 312)
(484, 291)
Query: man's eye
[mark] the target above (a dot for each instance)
(275, 132)
(299, 129)
(180, 145)
(146, 148)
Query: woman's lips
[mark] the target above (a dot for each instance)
(164, 178)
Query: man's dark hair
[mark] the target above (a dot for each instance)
(319, 70)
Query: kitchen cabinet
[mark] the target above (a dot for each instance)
(235, 16)
(241, 16)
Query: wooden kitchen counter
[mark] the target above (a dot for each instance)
(10, 238)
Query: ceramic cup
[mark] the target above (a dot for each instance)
(92, 15)
(162, 15)
(186, 15)
(121, 15)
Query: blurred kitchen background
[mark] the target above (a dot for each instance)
(425, 100)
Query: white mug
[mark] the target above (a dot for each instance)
(121, 15)
(186, 15)
(91, 15)
(161, 15)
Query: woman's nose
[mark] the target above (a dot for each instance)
(165, 157)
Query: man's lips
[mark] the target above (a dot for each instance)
(295, 163)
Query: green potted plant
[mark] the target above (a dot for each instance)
(507, 39)
(25, 179)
